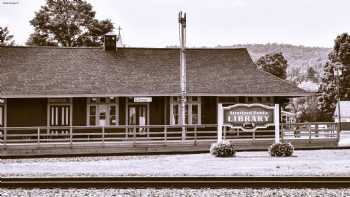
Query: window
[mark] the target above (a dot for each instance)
(102, 111)
(193, 110)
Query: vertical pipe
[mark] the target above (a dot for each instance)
(182, 23)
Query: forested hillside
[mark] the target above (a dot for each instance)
(298, 56)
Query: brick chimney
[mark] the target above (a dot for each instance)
(110, 42)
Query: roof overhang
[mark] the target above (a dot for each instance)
(145, 94)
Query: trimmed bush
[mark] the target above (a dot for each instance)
(281, 150)
(223, 149)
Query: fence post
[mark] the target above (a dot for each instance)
(254, 136)
(195, 135)
(71, 135)
(103, 134)
(134, 134)
(5, 137)
(282, 132)
(309, 127)
(38, 139)
(165, 134)
(224, 136)
(337, 130)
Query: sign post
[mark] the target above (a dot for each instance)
(220, 122)
(277, 123)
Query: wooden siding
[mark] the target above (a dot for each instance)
(157, 111)
(209, 110)
(26, 112)
(79, 111)
(121, 110)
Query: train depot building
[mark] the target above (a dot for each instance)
(118, 100)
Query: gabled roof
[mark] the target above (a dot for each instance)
(52, 71)
(344, 109)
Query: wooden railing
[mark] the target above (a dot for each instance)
(123, 133)
(157, 133)
(311, 130)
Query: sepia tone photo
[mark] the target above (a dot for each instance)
(174, 98)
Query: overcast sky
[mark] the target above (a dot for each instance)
(153, 23)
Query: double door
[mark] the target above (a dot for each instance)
(138, 116)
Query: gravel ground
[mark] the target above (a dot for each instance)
(303, 163)
(175, 192)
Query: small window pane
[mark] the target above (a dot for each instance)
(102, 100)
(112, 110)
(195, 98)
(92, 121)
(92, 110)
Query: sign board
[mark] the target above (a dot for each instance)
(248, 117)
(142, 99)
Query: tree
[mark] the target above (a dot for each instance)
(68, 23)
(273, 63)
(328, 88)
(312, 75)
(5, 37)
(305, 109)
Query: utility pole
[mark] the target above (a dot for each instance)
(182, 35)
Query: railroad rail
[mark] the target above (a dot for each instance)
(178, 182)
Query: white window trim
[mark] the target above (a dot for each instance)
(189, 103)
(108, 115)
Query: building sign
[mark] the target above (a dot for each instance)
(248, 117)
(142, 99)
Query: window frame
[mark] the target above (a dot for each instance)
(108, 104)
(175, 102)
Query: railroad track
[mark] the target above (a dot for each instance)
(177, 182)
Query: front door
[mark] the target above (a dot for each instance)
(137, 115)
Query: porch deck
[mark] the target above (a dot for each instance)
(78, 140)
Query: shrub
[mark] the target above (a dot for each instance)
(223, 149)
(281, 150)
